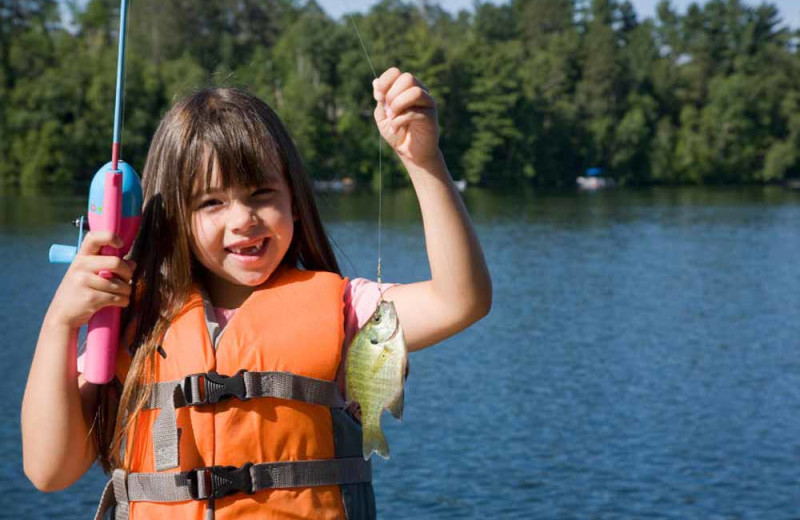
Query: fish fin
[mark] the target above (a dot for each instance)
(396, 406)
(381, 360)
(374, 441)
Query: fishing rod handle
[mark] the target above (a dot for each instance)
(115, 205)
(103, 336)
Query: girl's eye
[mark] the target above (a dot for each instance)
(209, 203)
(262, 191)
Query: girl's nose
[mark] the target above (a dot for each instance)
(242, 216)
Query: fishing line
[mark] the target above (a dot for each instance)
(380, 158)
(363, 47)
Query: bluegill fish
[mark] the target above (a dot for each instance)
(374, 374)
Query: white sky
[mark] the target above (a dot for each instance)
(790, 9)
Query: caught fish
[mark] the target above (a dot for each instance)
(374, 373)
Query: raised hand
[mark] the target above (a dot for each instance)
(83, 291)
(406, 116)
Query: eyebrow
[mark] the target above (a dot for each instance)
(267, 180)
(203, 192)
(271, 177)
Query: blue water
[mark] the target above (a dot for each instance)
(641, 360)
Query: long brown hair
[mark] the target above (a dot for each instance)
(240, 134)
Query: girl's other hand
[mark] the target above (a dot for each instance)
(406, 116)
(83, 291)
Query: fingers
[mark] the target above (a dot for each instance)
(93, 281)
(413, 97)
(106, 266)
(108, 280)
(414, 114)
(403, 83)
(118, 267)
(380, 110)
(382, 85)
(94, 241)
(83, 292)
(105, 293)
(112, 287)
(396, 92)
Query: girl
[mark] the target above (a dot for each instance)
(228, 378)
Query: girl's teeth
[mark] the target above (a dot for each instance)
(248, 250)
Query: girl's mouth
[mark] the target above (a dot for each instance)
(252, 250)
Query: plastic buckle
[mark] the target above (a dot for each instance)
(220, 481)
(219, 387)
(191, 382)
(214, 388)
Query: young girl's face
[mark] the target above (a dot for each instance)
(240, 234)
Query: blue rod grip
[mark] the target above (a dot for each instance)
(61, 254)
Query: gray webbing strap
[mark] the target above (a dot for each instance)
(328, 472)
(158, 487)
(120, 494)
(166, 436)
(281, 385)
(115, 495)
(285, 385)
(107, 501)
(175, 487)
(193, 391)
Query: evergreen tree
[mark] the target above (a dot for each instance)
(529, 91)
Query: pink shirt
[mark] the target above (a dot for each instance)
(361, 296)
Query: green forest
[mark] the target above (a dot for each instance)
(529, 92)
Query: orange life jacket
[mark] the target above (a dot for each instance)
(291, 326)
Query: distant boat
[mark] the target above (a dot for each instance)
(593, 180)
(346, 184)
(461, 184)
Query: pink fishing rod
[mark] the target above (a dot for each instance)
(115, 202)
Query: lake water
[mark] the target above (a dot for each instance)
(641, 359)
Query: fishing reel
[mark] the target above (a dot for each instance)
(130, 211)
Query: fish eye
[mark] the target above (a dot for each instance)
(377, 318)
(374, 341)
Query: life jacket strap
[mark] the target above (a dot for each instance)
(114, 499)
(219, 481)
(211, 388)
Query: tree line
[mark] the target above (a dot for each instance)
(529, 91)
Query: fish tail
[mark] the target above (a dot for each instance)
(374, 440)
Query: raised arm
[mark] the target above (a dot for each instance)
(57, 410)
(58, 406)
(459, 292)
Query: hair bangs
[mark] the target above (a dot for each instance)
(231, 145)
